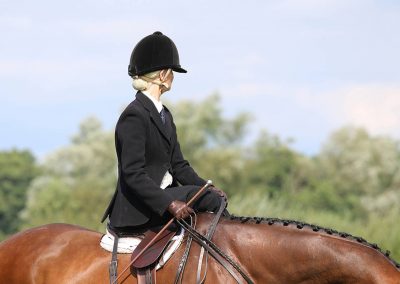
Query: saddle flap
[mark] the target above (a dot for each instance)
(154, 251)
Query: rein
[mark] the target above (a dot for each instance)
(209, 235)
(182, 263)
(226, 261)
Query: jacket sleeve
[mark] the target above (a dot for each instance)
(181, 168)
(131, 133)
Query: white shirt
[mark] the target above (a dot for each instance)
(158, 104)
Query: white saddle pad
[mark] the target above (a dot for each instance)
(128, 245)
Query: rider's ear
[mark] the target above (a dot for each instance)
(163, 74)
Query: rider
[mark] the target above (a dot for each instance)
(150, 162)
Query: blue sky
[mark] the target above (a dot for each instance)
(302, 68)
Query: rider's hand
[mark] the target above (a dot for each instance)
(219, 192)
(179, 209)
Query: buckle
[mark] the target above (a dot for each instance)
(113, 268)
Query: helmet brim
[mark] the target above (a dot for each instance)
(179, 69)
(174, 68)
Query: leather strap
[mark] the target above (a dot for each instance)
(182, 263)
(112, 269)
(146, 275)
(208, 236)
(226, 261)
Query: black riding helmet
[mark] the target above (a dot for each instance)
(152, 53)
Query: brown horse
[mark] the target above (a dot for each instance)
(268, 250)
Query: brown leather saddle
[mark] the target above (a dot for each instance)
(145, 265)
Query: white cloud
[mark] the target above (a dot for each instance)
(375, 107)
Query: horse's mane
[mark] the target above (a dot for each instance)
(300, 225)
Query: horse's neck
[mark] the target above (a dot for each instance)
(291, 254)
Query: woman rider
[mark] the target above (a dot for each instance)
(150, 162)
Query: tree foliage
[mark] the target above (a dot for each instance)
(17, 169)
(211, 142)
(362, 168)
(76, 182)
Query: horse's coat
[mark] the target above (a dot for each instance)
(269, 253)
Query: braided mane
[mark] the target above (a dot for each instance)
(300, 225)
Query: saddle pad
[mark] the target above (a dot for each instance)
(128, 245)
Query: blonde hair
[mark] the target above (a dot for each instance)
(142, 82)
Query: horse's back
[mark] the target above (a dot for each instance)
(46, 237)
(47, 253)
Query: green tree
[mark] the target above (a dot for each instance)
(211, 142)
(361, 168)
(17, 169)
(77, 181)
(274, 168)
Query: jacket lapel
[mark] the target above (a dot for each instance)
(154, 115)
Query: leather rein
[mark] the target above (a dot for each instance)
(207, 246)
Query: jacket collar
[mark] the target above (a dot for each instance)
(154, 114)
